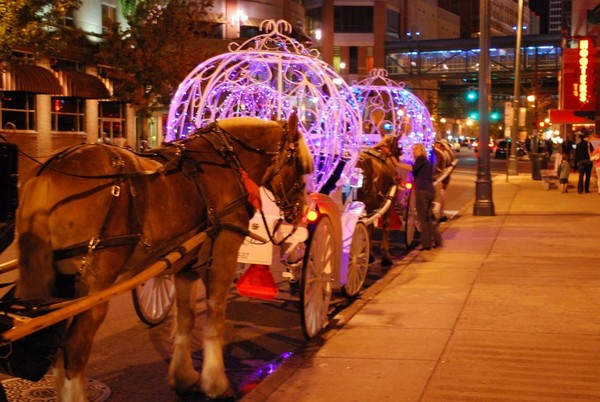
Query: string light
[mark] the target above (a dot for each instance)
(389, 108)
(270, 75)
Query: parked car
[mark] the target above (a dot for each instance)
(455, 146)
(475, 146)
(503, 148)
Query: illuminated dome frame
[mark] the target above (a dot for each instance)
(268, 76)
(389, 108)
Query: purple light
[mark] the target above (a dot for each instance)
(271, 74)
(388, 108)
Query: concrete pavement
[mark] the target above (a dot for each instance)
(508, 310)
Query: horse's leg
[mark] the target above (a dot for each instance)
(182, 375)
(386, 256)
(69, 368)
(100, 272)
(218, 282)
(35, 257)
(36, 273)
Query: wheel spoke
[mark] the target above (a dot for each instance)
(316, 280)
(358, 261)
(154, 299)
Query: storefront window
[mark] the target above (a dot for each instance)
(68, 114)
(18, 108)
(111, 120)
(353, 19)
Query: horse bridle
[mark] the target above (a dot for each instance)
(292, 209)
(287, 207)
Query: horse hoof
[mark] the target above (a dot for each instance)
(187, 386)
(387, 262)
(217, 388)
(226, 396)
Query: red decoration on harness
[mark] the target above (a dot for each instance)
(258, 282)
(253, 190)
(395, 221)
(385, 151)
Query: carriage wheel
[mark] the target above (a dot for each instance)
(410, 220)
(315, 283)
(154, 299)
(358, 261)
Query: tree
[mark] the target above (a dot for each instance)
(156, 51)
(32, 25)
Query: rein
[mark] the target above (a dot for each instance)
(116, 159)
(225, 150)
(223, 147)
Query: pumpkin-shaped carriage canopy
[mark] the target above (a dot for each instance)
(269, 76)
(388, 108)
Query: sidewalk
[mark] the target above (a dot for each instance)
(508, 310)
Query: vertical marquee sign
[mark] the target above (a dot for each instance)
(579, 76)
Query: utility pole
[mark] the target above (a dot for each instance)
(484, 205)
(512, 166)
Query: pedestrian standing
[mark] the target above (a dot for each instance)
(563, 173)
(424, 195)
(583, 152)
(596, 161)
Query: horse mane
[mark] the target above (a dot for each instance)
(306, 157)
(387, 141)
(388, 146)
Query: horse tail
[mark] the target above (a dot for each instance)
(35, 250)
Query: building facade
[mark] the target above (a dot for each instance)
(59, 101)
(503, 16)
(351, 34)
(54, 102)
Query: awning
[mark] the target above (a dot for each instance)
(252, 22)
(30, 78)
(82, 85)
(570, 116)
(216, 18)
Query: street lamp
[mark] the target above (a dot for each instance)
(484, 204)
(342, 66)
(237, 20)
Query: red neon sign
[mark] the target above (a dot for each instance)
(579, 76)
(581, 89)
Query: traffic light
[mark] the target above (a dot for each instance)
(471, 94)
(474, 115)
(494, 116)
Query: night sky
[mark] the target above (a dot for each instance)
(541, 8)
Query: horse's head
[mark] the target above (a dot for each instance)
(285, 178)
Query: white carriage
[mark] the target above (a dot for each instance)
(388, 108)
(269, 76)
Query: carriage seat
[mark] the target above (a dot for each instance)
(331, 183)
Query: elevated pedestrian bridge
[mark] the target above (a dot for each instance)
(446, 59)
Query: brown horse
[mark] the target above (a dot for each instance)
(100, 213)
(379, 170)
